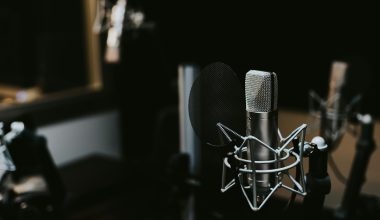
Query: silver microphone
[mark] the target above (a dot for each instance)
(261, 90)
(261, 159)
(336, 114)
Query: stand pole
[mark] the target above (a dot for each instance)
(318, 181)
(364, 149)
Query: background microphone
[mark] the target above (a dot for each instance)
(336, 103)
(262, 122)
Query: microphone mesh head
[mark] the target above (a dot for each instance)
(260, 91)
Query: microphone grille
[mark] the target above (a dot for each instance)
(261, 91)
(337, 82)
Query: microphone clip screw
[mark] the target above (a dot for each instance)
(308, 148)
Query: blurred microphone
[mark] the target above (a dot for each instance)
(336, 104)
(262, 122)
(112, 53)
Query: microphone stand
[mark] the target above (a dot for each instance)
(318, 181)
(364, 149)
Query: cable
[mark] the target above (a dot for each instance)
(338, 174)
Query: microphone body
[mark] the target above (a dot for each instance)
(262, 123)
(336, 102)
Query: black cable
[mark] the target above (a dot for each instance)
(338, 174)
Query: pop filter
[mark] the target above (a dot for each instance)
(216, 97)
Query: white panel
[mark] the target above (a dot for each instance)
(73, 139)
(189, 142)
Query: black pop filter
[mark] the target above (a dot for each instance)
(216, 96)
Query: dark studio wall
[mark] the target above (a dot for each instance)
(297, 41)
(42, 43)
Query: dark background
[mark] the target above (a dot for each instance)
(297, 41)
(42, 42)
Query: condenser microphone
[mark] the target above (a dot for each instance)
(262, 122)
(336, 103)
